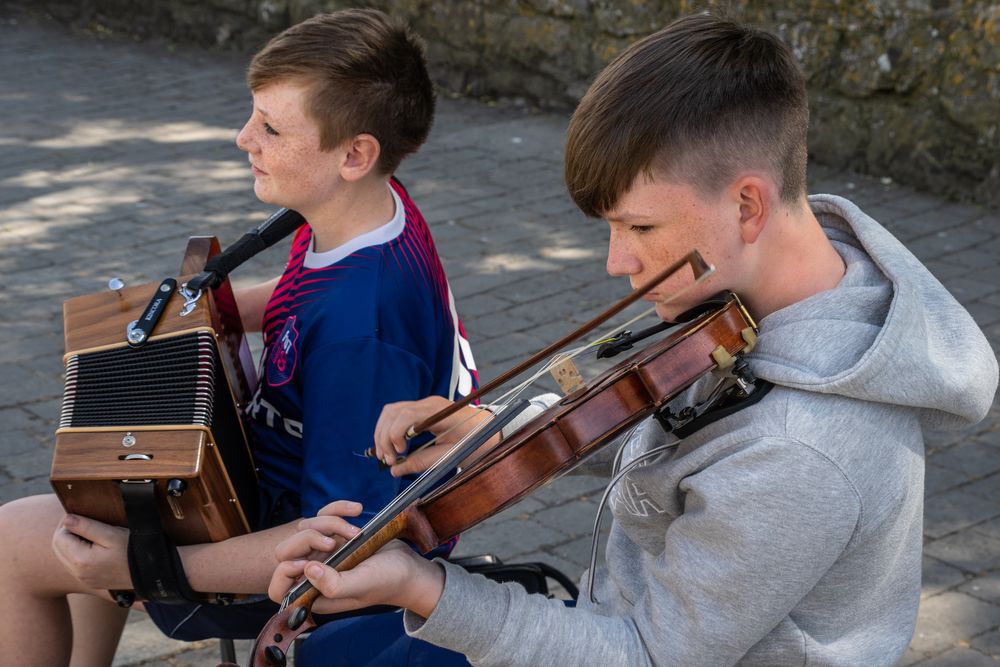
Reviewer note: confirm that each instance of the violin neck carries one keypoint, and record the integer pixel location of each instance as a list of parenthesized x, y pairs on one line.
[(410, 524)]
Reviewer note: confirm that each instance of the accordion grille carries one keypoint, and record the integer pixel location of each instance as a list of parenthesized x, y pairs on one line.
[(171, 381)]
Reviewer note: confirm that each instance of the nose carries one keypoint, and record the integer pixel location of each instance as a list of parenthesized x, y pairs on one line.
[(622, 260), (244, 140)]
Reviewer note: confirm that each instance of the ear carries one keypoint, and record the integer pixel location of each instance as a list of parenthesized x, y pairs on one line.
[(362, 153), (753, 194)]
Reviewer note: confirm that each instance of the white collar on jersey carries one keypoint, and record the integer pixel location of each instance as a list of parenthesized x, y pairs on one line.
[(377, 236)]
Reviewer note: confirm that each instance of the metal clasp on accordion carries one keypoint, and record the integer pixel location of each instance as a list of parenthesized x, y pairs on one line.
[(190, 299)]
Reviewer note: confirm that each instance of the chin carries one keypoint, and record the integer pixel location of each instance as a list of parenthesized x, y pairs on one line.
[(263, 195), (668, 313), (672, 312)]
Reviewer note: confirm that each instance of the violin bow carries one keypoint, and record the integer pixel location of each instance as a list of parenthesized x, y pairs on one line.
[(699, 266)]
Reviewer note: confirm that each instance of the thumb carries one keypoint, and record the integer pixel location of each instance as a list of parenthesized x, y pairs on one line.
[(93, 531), (324, 578)]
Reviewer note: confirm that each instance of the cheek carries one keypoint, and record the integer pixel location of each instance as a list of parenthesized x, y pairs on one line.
[(293, 166), (658, 250), (313, 166)]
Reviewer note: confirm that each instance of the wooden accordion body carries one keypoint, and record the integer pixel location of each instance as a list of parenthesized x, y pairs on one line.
[(167, 412)]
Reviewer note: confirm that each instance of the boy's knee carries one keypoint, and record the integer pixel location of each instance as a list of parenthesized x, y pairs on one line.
[(26, 521)]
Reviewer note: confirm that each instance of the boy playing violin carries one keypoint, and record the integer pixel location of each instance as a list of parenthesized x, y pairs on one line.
[(787, 532)]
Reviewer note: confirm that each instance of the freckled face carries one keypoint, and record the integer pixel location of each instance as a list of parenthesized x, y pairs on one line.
[(282, 143), (656, 223)]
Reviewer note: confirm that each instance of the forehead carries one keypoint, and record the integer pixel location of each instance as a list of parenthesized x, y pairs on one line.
[(652, 196), (284, 101)]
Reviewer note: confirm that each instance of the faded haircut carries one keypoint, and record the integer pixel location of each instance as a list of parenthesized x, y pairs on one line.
[(366, 73), (696, 102)]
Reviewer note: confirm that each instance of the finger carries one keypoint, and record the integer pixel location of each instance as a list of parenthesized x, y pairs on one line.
[(395, 442), (324, 578), (367, 584), (419, 461), (334, 597), (341, 508), (398, 435), (378, 437), (389, 436), (393, 438), (65, 544), (344, 590), (284, 577), (93, 531), (331, 526), (417, 412), (459, 423), (71, 550), (304, 543), (385, 452)]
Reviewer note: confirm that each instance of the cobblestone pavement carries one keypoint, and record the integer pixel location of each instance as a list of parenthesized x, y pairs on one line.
[(113, 153)]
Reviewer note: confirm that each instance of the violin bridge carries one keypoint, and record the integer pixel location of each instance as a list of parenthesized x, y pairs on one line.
[(567, 375)]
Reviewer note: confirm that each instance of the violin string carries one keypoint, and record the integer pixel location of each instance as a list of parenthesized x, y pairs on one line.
[(609, 336), (508, 397), (513, 394), (394, 506), (577, 351)]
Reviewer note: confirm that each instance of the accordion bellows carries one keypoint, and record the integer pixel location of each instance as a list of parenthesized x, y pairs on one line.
[(168, 381)]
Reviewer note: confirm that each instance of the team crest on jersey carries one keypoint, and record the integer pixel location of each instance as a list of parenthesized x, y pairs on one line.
[(284, 355)]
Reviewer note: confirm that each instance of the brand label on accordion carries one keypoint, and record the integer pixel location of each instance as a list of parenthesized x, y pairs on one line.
[(284, 355)]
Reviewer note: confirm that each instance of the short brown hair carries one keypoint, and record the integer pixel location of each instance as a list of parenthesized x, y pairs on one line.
[(367, 74), (694, 102)]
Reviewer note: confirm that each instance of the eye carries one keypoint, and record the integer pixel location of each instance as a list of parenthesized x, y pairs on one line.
[(640, 229), (270, 130)]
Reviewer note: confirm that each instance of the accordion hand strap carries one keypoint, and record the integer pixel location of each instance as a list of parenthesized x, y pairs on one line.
[(153, 562)]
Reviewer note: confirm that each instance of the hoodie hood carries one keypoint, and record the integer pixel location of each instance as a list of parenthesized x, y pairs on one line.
[(890, 331)]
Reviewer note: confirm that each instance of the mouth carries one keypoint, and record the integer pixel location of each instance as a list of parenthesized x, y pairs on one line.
[(256, 171), (651, 295)]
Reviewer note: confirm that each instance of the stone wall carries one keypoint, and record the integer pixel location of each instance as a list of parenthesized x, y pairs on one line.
[(908, 89)]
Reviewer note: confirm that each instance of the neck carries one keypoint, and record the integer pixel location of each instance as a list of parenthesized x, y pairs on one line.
[(808, 264), (355, 209)]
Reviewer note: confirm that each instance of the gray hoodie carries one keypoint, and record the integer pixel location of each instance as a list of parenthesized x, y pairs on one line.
[(788, 533)]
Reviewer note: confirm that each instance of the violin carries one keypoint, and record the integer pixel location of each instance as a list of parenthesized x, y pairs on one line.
[(546, 446)]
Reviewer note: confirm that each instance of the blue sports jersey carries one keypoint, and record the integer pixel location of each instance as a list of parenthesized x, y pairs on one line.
[(345, 332)]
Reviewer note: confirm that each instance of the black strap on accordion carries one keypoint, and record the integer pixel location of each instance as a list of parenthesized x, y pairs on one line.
[(272, 230), (282, 222), (153, 562)]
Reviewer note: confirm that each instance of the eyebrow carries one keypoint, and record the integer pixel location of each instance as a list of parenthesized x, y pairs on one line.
[(627, 215)]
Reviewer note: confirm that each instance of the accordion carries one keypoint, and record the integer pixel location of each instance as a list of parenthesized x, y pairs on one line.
[(165, 414)]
